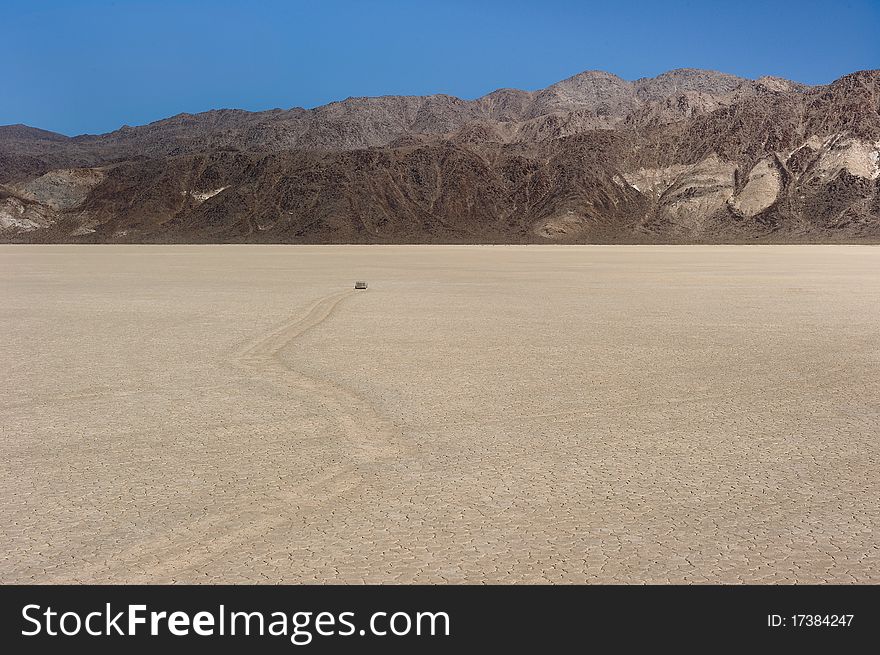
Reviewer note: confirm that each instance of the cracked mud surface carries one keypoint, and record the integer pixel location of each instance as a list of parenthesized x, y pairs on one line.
[(483, 414)]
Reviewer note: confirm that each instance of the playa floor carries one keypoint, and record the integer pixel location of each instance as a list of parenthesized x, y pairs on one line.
[(479, 414)]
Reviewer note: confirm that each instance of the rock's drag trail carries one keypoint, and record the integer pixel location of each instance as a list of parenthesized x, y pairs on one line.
[(364, 436), (368, 435)]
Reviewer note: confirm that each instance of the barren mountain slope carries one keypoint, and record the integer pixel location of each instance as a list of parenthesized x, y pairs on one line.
[(688, 156)]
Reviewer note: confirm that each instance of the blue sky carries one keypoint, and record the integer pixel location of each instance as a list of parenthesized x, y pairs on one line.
[(92, 66)]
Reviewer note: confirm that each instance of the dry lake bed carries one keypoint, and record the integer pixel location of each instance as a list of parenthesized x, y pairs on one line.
[(479, 414)]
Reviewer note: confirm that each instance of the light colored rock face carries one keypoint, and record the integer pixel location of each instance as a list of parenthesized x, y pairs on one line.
[(839, 152), (701, 189), (19, 216), (202, 196), (760, 191), (61, 189), (39, 202), (688, 193), (859, 158), (654, 181)]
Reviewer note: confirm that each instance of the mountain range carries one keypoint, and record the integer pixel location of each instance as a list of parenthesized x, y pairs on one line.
[(690, 156)]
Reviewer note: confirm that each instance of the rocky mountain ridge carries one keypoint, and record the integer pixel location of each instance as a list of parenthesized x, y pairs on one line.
[(688, 156)]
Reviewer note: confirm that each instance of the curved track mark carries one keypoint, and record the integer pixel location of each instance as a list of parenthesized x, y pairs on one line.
[(367, 436)]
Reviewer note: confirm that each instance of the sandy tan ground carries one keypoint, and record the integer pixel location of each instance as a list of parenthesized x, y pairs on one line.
[(482, 414)]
